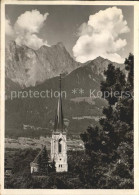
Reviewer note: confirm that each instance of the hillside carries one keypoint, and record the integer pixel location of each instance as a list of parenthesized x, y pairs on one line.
[(78, 80)]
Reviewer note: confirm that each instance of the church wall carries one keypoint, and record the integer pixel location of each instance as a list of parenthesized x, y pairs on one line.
[(58, 142)]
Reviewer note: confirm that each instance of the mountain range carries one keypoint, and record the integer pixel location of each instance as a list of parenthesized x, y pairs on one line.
[(38, 70), (28, 67)]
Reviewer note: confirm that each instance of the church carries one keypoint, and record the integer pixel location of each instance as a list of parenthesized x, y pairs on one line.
[(58, 141)]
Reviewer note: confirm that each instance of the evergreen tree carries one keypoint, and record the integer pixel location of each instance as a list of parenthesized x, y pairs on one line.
[(114, 83), (43, 162), (53, 166), (110, 146)]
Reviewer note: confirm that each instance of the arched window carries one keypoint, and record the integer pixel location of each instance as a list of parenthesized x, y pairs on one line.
[(60, 145)]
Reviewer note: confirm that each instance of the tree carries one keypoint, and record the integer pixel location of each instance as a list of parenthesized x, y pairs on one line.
[(43, 162), (115, 80), (110, 146), (53, 166)]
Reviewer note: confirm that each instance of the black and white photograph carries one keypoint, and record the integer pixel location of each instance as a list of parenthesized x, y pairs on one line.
[(69, 96)]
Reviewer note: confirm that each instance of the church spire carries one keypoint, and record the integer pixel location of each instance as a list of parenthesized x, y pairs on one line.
[(59, 116), (55, 122)]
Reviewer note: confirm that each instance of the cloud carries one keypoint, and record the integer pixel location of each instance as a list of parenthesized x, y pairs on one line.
[(100, 36), (30, 40), (8, 28), (30, 21), (27, 27)]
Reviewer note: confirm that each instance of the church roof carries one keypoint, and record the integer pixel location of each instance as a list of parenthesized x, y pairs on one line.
[(35, 161)]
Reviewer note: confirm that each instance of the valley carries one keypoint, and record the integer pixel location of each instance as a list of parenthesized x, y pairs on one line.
[(26, 143)]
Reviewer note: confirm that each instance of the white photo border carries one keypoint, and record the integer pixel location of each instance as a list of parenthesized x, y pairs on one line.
[(134, 191)]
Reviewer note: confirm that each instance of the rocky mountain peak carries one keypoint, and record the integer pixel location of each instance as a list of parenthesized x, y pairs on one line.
[(100, 59), (29, 67), (60, 44)]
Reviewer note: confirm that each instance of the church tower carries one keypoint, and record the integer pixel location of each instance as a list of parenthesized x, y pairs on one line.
[(58, 141)]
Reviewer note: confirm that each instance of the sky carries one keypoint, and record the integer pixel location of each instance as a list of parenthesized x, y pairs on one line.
[(87, 31)]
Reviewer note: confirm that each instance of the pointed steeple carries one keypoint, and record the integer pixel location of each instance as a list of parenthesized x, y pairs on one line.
[(55, 123), (59, 116)]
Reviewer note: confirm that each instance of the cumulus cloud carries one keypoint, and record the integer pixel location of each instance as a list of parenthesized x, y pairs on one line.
[(30, 40), (27, 27), (30, 21), (100, 36)]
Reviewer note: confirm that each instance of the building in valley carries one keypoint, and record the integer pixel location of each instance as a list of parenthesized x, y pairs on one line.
[(59, 139), (58, 142)]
